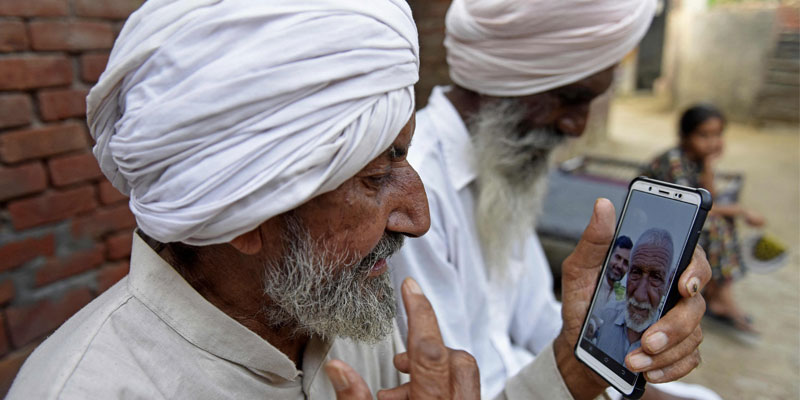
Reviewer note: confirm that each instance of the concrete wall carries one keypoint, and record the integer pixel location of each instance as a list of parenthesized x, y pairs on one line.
[(719, 55)]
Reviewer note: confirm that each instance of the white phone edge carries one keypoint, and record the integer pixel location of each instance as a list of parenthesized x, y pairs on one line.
[(646, 187)]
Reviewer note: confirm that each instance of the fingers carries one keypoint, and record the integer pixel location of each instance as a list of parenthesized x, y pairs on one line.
[(399, 393), (696, 275), (346, 381), (596, 238), (465, 374), (428, 357), (401, 362), (675, 326), (639, 361)]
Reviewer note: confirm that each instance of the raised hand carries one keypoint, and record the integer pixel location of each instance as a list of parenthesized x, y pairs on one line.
[(437, 372)]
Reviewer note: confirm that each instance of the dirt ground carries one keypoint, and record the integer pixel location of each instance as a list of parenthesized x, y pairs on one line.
[(639, 129)]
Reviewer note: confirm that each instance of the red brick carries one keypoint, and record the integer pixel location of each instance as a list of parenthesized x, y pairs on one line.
[(13, 36), (104, 221), (14, 254), (42, 142), (51, 207), (92, 66), (58, 35), (62, 103), (109, 194), (15, 110), (788, 17), (64, 267), (118, 246), (113, 9), (34, 8), (10, 365), (33, 321), (74, 168), (24, 179), (110, 275), (7, 291), (31, 72)]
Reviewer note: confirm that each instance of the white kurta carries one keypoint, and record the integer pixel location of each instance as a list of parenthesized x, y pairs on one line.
[(504, 324), (152, 336)]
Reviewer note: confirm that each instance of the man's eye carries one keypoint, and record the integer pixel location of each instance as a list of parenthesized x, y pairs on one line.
[(378, 180)]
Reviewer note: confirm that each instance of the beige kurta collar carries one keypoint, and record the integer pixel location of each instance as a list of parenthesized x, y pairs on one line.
[(156, 284)]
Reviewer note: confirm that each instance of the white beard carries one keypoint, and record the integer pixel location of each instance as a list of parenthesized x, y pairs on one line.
[(511, 184), (318, 294), (633, 322)]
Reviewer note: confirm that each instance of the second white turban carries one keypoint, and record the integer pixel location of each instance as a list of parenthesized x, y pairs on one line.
[(518, 48)]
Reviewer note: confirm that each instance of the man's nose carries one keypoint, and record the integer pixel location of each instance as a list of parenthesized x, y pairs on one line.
[(410, 215), (640, 292)]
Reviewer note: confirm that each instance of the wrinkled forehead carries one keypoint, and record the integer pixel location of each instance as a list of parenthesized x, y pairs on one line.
[(651, 257)]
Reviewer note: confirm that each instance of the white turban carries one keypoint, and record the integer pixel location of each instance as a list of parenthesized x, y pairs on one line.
[(216, 115), (517, 48)]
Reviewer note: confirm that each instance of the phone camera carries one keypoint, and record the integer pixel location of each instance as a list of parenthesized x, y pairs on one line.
[(680, 195), (650, 188)]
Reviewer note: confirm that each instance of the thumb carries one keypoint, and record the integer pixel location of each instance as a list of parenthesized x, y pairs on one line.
[(596, 238), (347, 383)]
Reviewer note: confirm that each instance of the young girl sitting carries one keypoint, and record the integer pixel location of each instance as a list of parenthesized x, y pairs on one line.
[(692, 164)]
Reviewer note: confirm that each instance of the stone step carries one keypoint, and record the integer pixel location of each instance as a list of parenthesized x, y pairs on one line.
[(778, 106), (779, 114), (782, 78), (778, 90), (783, 65)]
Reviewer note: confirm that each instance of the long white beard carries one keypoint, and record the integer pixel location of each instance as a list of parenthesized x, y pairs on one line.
[(329, 296), (511, 184), (633, 322)]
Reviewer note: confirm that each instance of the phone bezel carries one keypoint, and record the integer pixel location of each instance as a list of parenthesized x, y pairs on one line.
[(669, 192)]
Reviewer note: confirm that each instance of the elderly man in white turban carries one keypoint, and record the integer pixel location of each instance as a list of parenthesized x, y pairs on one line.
[(263, 147), (525, 73)]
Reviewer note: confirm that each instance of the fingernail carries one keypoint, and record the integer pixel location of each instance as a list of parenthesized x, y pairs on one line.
[(693, 286), (640, 361), (338, 379), (656, 342), (654, 375), (413, 286)]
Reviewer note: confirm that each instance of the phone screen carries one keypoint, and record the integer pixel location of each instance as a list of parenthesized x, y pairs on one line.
[(637, 276)]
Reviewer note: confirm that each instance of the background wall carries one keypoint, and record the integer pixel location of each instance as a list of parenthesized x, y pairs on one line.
[(429, 15), (65, 232), (741, 57)]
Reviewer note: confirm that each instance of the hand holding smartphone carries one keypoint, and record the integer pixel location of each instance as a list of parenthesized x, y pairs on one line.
[(653, 243)]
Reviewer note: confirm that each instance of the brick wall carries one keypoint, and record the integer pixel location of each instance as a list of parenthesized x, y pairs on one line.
[(429, 15), (65, 232)]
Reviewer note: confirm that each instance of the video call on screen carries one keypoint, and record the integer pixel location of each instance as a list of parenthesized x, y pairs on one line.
[(635, 289)]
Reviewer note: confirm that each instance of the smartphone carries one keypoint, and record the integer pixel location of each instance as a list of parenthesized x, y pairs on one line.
[(654, 241)]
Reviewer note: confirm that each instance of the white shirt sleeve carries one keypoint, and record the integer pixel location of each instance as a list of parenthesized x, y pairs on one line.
[(537, 314), (538, 380)]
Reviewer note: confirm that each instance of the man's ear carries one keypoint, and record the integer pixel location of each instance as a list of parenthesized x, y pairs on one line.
[(248, 243)]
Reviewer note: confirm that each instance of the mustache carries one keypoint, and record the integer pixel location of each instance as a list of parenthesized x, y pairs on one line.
[(640, 304), (389, 244)]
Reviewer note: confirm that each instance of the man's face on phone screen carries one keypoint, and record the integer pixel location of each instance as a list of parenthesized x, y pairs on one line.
[(618, 265), (647, 284)]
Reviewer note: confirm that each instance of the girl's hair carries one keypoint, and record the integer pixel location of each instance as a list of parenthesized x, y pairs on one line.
[(696, 115)]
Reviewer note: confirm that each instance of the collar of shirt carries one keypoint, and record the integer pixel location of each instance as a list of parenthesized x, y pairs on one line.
[(156, 284), (455, 139)]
